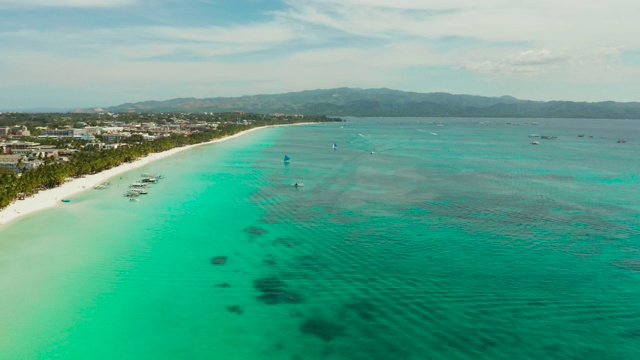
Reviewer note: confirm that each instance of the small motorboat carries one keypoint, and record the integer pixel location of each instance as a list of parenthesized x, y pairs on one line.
[(66, 200), (297, 184), (535, 143)]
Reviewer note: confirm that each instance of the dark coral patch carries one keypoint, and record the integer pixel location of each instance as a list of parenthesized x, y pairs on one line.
[(268, 284), (255, 231), (281, 297), (323, 329), (275, 291), (219, 260), (629, 264), (289, 242), (235, 309)]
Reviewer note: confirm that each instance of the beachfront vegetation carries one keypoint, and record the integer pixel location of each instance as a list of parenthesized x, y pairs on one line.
[(86, 159)]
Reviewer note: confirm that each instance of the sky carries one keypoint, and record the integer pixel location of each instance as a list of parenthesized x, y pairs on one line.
[(98, 53)]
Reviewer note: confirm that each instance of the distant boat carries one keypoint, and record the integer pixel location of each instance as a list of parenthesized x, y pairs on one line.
[(535, 143), (621, 141), (286, 159), (335, 146), (66, 200), (297, 184)]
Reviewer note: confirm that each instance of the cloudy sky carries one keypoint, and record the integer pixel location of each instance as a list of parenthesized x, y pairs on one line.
[(85, 53)]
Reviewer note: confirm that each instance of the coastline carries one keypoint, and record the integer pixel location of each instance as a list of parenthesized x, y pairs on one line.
[(51, 197)]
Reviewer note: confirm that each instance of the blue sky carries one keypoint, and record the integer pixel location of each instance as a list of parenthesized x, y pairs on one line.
[(89, 53)]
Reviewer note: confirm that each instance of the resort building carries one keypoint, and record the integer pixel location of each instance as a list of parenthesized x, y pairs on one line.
[(93, 130), (67, 133), (115, 137), (19, 130), (11, 162), (13, 146)]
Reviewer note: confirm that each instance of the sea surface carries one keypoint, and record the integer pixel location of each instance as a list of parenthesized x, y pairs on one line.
[(416, 238)]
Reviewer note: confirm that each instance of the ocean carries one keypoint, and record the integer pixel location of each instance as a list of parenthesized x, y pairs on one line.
[(416, 238)]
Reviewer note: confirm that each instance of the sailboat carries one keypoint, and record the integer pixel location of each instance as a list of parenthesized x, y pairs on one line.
[(335, 146), (286, 159)]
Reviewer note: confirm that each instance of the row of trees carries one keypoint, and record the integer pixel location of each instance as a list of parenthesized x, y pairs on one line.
[(91, 160)]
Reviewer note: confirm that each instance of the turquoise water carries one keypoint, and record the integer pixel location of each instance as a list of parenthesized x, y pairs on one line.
[(455, 239)]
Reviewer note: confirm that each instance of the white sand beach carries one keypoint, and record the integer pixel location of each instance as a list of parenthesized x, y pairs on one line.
[(49, 198)]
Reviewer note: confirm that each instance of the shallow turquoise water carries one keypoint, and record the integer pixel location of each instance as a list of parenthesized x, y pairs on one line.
[(455, 239)]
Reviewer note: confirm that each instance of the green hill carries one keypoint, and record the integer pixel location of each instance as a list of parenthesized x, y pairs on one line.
[(387, 102)]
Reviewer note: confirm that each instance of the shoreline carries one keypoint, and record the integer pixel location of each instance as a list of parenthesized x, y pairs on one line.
[(51, 197)]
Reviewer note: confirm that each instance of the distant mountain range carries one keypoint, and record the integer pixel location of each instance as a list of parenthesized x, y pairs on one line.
[(387, 102)]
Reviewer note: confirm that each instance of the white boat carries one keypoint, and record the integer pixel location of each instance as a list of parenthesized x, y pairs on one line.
[(535, 143), (138, 186), (297, 184)]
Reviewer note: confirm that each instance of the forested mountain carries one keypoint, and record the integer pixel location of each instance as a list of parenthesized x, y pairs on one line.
[(386, 102)]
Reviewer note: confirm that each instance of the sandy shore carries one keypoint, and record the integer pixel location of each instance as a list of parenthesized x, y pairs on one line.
[(49, 198)]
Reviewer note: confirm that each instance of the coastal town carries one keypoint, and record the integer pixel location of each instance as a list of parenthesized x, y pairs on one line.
[(25, 147), (43, 151)]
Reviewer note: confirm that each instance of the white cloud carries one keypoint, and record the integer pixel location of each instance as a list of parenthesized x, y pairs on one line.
[(67, 3), (248, 33), (150, 41), (534, 62), (546, 23)]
